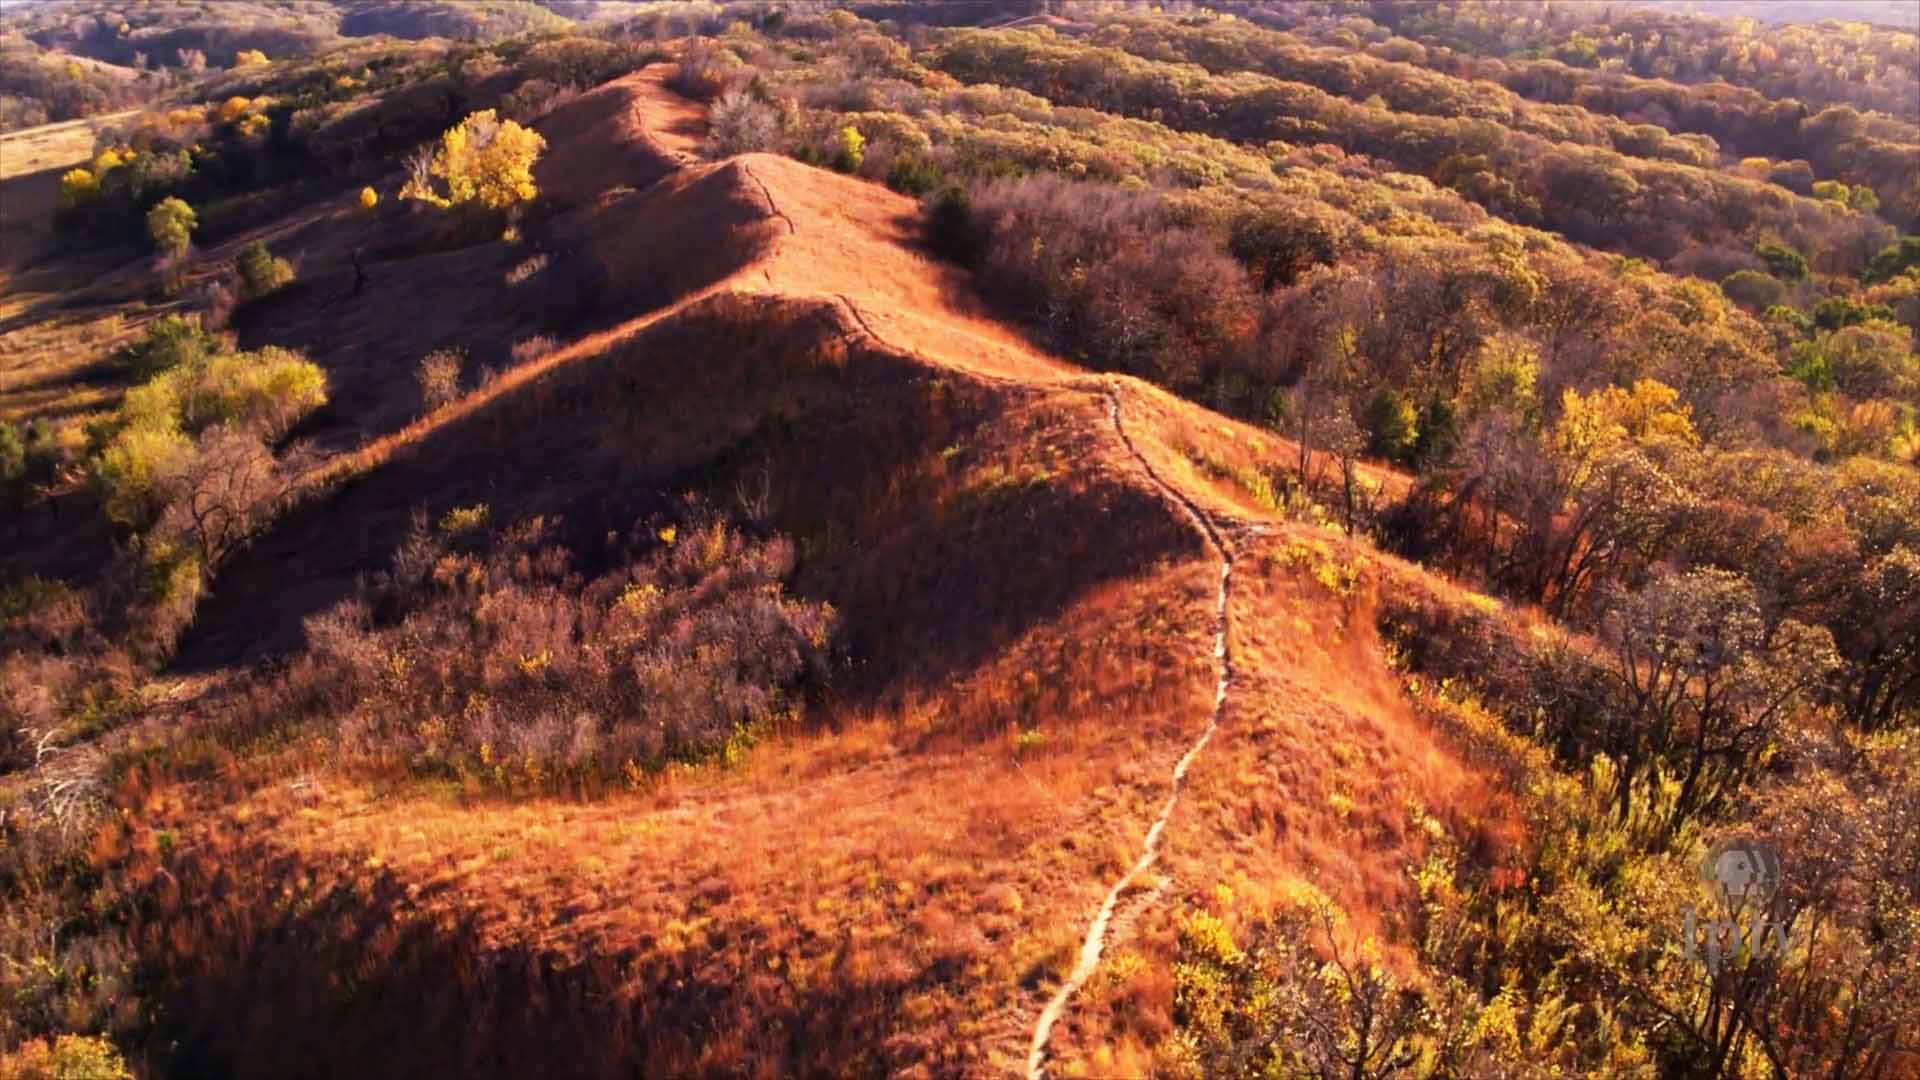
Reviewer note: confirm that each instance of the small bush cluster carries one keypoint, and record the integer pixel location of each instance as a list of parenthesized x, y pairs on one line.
[(261, 272), (66, 1057), (486, 652), (184, 468), (740, 123), (1110, 278), (30, 458), (439, 378)]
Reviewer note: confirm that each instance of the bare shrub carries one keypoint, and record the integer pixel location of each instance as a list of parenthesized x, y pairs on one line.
[(218, 298), (527, 267), (705, 68), (439, 378), (535, 98), (741, 123), (492, 652), (530, 349), (1109, 277)]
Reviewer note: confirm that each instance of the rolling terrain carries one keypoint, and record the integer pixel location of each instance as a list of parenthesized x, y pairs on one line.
[(744, 541), (1034, 575)]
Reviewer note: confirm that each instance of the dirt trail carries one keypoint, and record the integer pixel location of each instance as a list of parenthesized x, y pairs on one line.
[(1096, 939), (851, 244)]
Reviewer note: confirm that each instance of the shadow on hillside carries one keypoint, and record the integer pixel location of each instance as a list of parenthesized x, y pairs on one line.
[(262, 970), (933, 573)]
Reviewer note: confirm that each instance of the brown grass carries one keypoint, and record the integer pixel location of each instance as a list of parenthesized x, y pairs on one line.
[(896, 883)]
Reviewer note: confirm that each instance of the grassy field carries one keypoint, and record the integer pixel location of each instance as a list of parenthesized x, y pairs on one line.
[(44, 356)]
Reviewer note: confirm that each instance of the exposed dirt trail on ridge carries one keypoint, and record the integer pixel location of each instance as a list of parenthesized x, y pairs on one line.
[(1096, 939)]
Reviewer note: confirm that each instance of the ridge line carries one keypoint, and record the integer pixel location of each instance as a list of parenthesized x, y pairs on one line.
[(1095, 942)]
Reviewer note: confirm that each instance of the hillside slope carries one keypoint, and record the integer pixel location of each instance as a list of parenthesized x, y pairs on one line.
[(1032, 567)]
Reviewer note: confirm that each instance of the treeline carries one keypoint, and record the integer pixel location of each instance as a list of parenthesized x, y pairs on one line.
[(40, 87), (1656, 119), (1576, 422), (1829, 63), (197, 34), (1656, 210)]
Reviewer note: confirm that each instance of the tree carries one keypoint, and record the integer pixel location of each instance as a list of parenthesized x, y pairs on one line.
[(1782, 261), (484, 160), (1880, 642), (230, 488), (1753, 290), (170, 226), (1704, 681), (249, 58), (369, 198), (851, 151), (1893, 260), (1392, 425)]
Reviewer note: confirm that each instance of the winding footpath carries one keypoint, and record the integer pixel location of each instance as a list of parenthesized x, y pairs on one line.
[(1096, 939)]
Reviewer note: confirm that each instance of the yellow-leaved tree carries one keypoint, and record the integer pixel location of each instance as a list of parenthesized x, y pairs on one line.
[(484, 160)]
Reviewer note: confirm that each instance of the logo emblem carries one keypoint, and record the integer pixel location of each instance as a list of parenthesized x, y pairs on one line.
[(1742, 873)]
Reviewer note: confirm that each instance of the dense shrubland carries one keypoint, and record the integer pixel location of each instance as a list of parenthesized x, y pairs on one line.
[(486, 652), (1600, 197)]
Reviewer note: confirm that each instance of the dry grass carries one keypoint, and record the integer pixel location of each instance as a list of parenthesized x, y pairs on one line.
[(884, 919), (1322, 773), (895, 883)]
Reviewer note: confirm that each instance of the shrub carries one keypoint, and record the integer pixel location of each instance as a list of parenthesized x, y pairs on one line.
[(1753, 290), (704, 69), (532, 348), (13, 465), (249, 58), (951, 229), (439, 378), (527, 268), (77, 188), (369, 198), (913, 175), (492, 655), (170, 226), (741, 123), (260, 271), (850, 151), (1893, 260), (1783, 262), (137, 474), (29, 459), (265, 392)]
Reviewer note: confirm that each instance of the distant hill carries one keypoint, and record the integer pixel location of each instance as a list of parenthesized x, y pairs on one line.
[(1896, 13)]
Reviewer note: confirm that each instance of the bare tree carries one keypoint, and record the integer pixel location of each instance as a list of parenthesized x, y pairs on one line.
[(1703, 683), (231, 489)]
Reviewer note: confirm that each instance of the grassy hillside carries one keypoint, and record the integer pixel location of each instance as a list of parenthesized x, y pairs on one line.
[(964, 541)]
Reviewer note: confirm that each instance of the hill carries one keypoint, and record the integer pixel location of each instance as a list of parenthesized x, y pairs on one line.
[(801, 557)]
